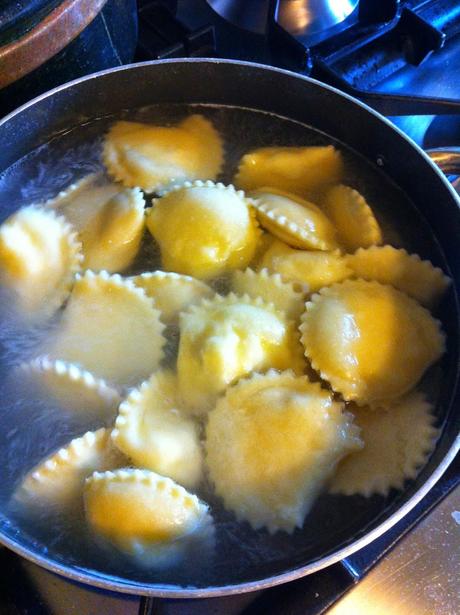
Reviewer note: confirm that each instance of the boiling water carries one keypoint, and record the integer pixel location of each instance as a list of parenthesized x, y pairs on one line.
[(32, 428)]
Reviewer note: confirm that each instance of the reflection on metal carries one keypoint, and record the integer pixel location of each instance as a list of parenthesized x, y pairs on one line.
[(308, 17), (247, 14), (447, 159), (58, 596), (420, 575)]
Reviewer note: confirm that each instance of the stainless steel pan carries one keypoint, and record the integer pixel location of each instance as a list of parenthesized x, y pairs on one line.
[(337, 526)]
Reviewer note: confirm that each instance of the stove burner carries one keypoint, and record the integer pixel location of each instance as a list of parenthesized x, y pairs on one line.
[(313, 20), (246, 14), (355, 45)]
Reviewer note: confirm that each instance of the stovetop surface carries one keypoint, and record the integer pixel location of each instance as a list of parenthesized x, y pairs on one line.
[(379, 64), (426, 581)]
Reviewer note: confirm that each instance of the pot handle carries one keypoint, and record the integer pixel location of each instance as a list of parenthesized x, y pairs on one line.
[(447, 159)]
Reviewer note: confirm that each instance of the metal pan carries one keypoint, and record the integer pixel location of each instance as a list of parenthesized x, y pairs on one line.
[(338, 526)]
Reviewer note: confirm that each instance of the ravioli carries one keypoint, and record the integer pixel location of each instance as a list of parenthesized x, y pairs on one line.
[(110, 328), (204, 229), (309, 270), (226, 338), (271, 444), (266, 240), (112, 238), (57, 482), (71, 388), (300, 170), (397, 441), (79, 201), (297, 222), (371, 342), (270, 288), (153, 432), (108, 218), (155, 157), (172, 292), (39, 256), (148, 517), (354, 220), (406, 272)]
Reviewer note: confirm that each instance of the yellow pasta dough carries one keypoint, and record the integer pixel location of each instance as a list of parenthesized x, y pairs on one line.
[(111, 328), (266, 240), (154, 157), (148, 517), (226, 338), (71, 387), (39, 256), (397, 441), (307, 269), (406, 272), (152, 431), (172, 292), (57, 483), (271, 444), (78, 202), (295, 221), (300, 170), (204, 229), (108, 218), (270, 288), (353, 218), (111, 239), (370, 341)]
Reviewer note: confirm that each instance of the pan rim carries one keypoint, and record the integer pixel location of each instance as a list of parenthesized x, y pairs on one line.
[(117, 584), (96, 579), (264, 67)]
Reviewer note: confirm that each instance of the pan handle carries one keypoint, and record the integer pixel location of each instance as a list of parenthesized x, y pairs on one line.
[(447, 159)]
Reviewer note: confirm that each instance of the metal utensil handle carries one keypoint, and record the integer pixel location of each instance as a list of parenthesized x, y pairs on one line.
[(447, 159)]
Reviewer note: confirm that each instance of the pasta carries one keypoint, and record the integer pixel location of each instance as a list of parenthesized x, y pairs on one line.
[(226, 338), (39, 256), (406, 272), (271, 444), (263, 348), (156, 157), (309, 270), (57, 482), (270, 288), (297, 222), (300, 170), (172, 292), (397, 441), (113, 348), (108, 218), (354, 220), (112, 237), (266, 240), (146, 516), (371, 342), (79, 199), (71, 387), (152, 431), (204, 229)]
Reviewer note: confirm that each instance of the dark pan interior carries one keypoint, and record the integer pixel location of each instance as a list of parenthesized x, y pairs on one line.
[(414, 204)]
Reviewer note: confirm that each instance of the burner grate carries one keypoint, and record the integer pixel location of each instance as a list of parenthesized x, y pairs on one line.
[(376, 42)]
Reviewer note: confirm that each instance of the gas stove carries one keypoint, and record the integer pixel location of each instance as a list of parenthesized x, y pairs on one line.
[(402, 58)]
